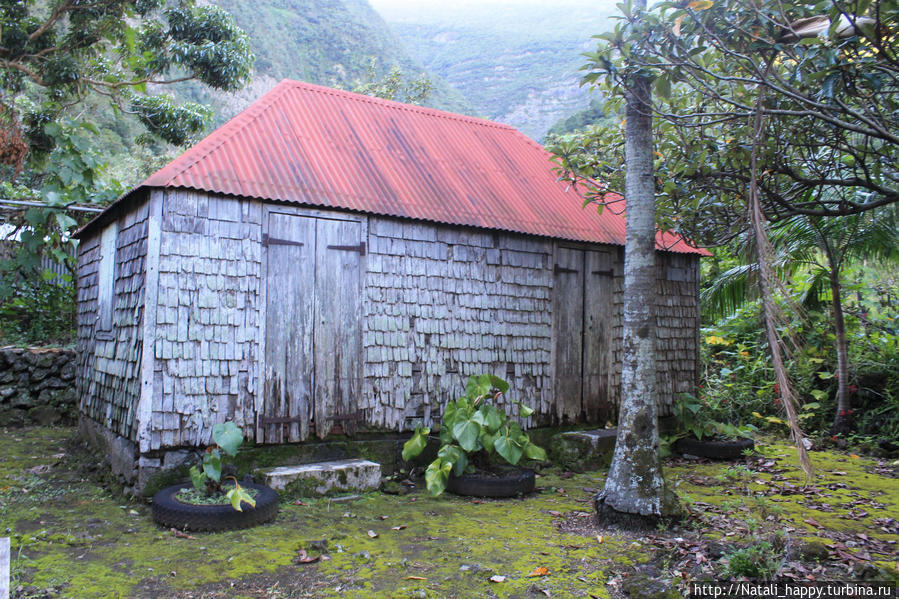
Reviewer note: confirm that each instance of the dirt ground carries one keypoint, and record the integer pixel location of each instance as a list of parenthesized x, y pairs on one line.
[(73, 537)]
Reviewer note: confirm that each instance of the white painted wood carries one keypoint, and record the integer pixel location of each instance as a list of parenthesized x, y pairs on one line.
[(151, 292), (4, 567)]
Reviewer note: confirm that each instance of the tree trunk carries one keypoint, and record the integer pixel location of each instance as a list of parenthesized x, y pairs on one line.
[(635, 492), (843, 421)]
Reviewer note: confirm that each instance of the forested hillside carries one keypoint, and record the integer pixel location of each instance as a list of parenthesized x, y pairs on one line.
[(517, 63)]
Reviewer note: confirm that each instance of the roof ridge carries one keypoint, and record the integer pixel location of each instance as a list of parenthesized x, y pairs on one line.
[(426, 110)]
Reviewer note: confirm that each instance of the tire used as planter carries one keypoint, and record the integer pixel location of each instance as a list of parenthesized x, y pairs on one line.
[(515, 481), (714, 449), (172, 513)]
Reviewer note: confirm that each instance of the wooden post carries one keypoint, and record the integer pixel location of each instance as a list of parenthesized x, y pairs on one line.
[(4, 567)]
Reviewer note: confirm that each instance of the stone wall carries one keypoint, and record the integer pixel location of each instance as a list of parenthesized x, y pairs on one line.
[(37, 386)]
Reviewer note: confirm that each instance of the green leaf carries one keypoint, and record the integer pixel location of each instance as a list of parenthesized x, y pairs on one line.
[(466, 433), (495, 419), (414, 446), (198, 478), (460, 464), (534, 452), (498, 383), (64, 221), (487, 440), (212, 465), (436, 476), (509, 449), (237, 495), (524, 411), (663, 87), (228, 436), (819, 394)]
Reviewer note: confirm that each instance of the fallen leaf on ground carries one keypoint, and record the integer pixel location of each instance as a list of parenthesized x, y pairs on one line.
[(416, 578), (497, 578), (813, 522), (400, 527), (540, 571), (181, 535), (373, 534), (383, 517), (303, 558)]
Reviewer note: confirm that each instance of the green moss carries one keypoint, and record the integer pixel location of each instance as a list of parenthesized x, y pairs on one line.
[(71, 535)]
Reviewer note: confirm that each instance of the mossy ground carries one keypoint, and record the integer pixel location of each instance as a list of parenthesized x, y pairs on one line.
[(72, 538)]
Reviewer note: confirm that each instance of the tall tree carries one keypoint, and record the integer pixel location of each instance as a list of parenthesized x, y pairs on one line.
[(59, 61), (635, 488)]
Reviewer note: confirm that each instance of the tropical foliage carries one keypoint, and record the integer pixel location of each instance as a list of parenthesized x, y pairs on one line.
[(474, 431), (207, 477)]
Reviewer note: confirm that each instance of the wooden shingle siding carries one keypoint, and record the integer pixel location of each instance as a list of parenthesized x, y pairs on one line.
[(207, 317), (444, 303), (400, 314), (109, 358)]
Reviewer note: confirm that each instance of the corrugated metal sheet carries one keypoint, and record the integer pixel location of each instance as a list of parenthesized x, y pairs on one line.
[(319, 146)]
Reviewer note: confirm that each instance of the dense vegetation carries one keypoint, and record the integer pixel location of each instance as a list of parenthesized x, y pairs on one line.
[(128, 85)]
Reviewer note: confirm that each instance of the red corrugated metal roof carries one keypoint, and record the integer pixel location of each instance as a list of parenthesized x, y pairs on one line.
[(319, 146)]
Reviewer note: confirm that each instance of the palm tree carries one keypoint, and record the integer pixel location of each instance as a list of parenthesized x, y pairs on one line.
[(825, 246)]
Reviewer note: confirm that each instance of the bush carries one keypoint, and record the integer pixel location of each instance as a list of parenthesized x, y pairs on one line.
[(756, 562), (38, 310)]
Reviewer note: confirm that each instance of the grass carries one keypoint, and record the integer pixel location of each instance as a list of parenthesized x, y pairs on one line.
[(72, 537)]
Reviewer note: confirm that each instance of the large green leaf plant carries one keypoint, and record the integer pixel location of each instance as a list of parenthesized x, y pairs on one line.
[(474, 431), (207, 477)]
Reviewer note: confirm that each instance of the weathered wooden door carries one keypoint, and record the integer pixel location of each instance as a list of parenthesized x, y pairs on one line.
[(313, 335), (338, 325), (289, 246), (568, 330), (598, 330), (582, 328)]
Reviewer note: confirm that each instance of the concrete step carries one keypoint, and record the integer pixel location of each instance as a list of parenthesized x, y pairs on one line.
[(580, 451), (324, 478)]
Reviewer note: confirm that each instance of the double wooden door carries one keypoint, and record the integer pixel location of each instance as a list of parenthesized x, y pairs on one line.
[(582, 329), (313, 331)]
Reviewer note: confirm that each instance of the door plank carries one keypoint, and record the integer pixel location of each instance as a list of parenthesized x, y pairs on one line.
[(288, 327), (568, 322), (338, 325), (598, 332)]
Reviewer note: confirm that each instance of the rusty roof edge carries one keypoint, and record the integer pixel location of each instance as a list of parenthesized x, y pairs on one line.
[(688, 249)]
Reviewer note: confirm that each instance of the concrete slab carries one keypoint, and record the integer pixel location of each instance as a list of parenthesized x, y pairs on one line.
[(580, 451), (324, 478)]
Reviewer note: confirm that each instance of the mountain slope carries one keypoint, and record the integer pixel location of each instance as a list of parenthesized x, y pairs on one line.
[(516, 63), (328, 42)]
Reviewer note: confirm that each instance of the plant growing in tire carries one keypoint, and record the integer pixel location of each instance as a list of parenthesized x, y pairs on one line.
[(479, 445), (703, 436), (212, 501)]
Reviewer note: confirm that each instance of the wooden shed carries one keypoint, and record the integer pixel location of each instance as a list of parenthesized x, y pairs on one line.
[(330, 263)]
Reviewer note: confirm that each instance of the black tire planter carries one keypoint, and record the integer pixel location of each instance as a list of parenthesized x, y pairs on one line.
[(714, 449), (512, 482), (171, 513)]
